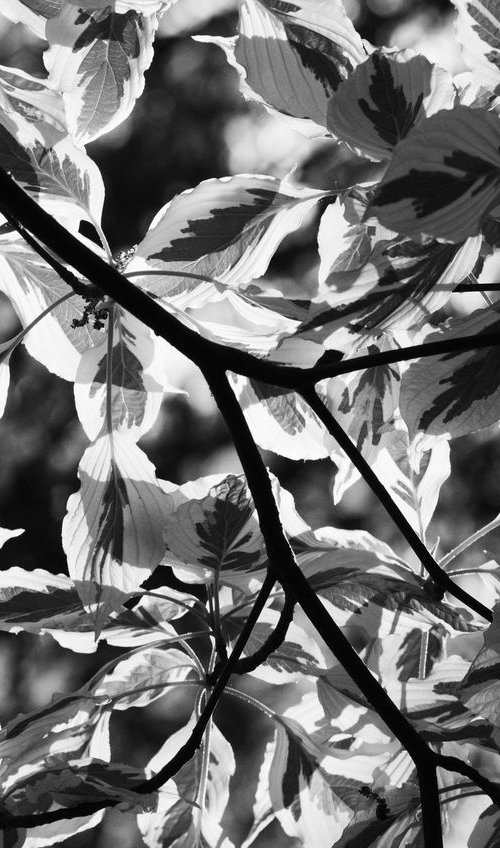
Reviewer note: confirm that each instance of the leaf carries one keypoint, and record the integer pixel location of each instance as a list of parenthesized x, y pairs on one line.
[(281, 421), (227, 229), (384, 97), (292, 56), (112, 532), (480, 688), (119, 384), (142, 677), (33, 287), (218, 536), (364, 404), (486, 832), (182, 818), (454, 393), (478, 31), (413, 477), (39, 602), (67, 783), (97, 58), (444, 177), (50, 167), (32, 13), (33, 98), (373, 280), (310, 804)]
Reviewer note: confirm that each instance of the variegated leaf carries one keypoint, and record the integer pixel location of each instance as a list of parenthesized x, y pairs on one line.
[(384, 97), (478, 30), (454, 393), (310, 804), (51, 167), (33, 98), (372, 280), (141, 677), (226, 229), (33, 287), (119, 384), (97, 58), (181, 818), (480, 688), (32, 13), (291, 56), (67, 782), (281, 421), (112, 532), (444, 177), (217, 536), (40, 602), (414, 485)]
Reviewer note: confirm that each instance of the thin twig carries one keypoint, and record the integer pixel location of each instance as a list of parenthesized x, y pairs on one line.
[(439, 577)]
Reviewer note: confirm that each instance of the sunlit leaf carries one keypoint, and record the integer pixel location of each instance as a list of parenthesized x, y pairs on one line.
[(97, 58), (112, 533), (226, 229), (292, 56), (281, 421), (142, 677), (33, 13), (217, 536), (373, 280), (5, 535), (182, 817), (384, 97), (478, 31), (119, 384), (458, 392), (32, 97), (444, 177)]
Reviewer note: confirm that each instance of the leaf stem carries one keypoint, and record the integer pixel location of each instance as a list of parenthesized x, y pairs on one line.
[(467, 543)]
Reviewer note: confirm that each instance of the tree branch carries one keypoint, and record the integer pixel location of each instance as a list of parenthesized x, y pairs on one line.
[(438, 575), (24, 212)]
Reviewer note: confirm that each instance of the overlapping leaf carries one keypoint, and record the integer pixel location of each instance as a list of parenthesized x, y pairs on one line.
[(226, 229), (281, 421), (454, 393), (119, 384), (97, 58), (310, 804), (40, 602), (478, 30), (49, 165), (112, 533), (217, 536), (32, 98), (372, 279), (188, 812), (291, 56), (34, 287), (384, 97), (444, 177)]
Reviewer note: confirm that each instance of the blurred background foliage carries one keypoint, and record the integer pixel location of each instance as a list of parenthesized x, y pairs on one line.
[(189, 125)]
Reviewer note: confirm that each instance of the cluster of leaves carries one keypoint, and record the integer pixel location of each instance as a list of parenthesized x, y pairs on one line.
[(353, 761)]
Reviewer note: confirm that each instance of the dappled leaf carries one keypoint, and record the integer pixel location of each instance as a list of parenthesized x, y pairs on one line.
[(384, 97), (119, 384), (97, 57), (227, 229), (112, 532), (444, 177), (458, 392)]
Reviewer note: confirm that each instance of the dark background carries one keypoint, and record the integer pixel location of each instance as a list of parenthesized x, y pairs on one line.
[(191, 124)]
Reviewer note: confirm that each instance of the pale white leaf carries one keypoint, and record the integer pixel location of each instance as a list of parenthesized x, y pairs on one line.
[(5, 535), (478, 31)]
